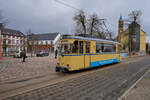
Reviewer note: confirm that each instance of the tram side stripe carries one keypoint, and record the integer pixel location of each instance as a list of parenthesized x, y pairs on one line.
[(103, 62)]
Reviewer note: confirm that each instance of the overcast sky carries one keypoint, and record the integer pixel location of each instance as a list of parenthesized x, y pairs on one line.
[(42, 16)]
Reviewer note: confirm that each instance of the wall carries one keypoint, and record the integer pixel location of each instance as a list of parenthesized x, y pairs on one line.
[(55, 42), (142, 40), (124, 41)]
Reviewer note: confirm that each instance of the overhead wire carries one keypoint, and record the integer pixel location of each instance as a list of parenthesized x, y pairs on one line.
[(75, 8)]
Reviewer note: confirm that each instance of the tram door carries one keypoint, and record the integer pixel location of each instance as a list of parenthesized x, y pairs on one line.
[(87, 56)]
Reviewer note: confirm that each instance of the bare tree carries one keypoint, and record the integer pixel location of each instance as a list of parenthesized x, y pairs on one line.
[(101, 34), (94, 24), (81, 21), (134, 16), (30, 44), (110, 34)]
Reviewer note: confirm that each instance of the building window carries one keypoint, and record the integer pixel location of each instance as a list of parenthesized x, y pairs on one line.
[(44, 50), (39, 50), (34, 50), (9, 41), (17, 42), (4, 41), (41, 42), (13, 41), (30, 43), (48, 49), (35, 42), (4, 36), (52, 49), (46, 42), (4, 49)]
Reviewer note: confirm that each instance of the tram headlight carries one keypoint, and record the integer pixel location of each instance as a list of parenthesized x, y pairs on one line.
[(67, 65)]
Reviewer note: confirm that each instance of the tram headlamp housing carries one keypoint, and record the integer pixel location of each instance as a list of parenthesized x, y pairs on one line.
[(57, 63), (67, 65)]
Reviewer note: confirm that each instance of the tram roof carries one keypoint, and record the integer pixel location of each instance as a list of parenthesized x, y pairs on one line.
[(92, 39)]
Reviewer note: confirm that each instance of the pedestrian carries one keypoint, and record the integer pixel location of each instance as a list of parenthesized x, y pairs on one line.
[(56, 54), (23, 56)]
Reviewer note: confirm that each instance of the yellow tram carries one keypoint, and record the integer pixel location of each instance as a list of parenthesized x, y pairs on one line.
[(76, 53)]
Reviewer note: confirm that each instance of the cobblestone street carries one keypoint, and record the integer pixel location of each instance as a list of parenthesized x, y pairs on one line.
[(14, 69), (106, 83)]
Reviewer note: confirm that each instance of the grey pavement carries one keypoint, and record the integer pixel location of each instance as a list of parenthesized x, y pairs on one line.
[(141, 90)]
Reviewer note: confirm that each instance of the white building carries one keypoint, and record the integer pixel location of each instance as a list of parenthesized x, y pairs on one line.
[(46, 42), (12, 41)]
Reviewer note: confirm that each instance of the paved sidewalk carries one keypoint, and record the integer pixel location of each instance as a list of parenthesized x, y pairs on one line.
[(12, 69), (141, 90)]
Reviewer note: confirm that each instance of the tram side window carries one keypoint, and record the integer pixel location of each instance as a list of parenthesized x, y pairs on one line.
[(87, 47), (81, 46), (109, 48), (63, 49), (75, 47), (99, 47), (66, 49), (114, 48)]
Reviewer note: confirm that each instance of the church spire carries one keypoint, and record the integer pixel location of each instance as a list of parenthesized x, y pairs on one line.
[(120, 18), (120, 25)]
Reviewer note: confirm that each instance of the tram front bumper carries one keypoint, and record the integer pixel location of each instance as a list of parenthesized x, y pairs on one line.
[(62, 69)]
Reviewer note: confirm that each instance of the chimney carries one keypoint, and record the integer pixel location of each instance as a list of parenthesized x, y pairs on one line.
[(1, 25)]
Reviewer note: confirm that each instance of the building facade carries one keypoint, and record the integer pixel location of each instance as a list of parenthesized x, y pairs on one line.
[(132, 39), (12, 41), (43, 43)]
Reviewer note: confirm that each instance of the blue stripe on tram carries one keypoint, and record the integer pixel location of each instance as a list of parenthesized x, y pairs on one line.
[(103, 62)]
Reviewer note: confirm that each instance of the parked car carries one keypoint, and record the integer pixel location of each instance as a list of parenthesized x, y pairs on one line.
[(42, 54)]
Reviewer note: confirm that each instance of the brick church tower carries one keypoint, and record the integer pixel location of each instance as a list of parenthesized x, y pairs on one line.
[(120, 26)]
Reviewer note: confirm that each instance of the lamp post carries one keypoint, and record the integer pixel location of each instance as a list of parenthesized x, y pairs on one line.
[(0, 45)]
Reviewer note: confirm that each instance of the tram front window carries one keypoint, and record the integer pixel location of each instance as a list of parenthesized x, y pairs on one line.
[(66, 49), (76, 47)]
